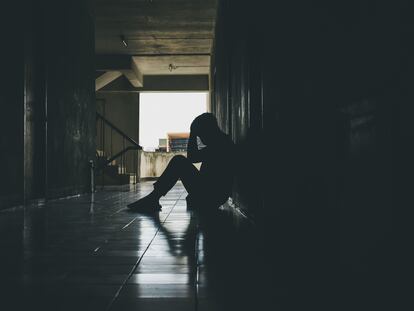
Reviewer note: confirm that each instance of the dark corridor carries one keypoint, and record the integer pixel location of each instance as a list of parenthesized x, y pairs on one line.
[(317, 97)]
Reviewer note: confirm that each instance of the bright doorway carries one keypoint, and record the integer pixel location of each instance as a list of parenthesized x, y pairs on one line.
[(163, 113)]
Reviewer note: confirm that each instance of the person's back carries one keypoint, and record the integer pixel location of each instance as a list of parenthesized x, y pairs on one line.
[(217, 168), (217, 158)]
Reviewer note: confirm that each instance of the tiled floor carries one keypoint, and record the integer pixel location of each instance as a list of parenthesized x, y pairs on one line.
[(91, 253)]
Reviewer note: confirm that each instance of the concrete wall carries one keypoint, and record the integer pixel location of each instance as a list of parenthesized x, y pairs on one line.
[(47, 99), (313, 95), (152, 164), (122, 109)]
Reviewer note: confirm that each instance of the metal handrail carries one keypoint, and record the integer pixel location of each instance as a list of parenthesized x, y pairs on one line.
[(135, 145), (116, 129)]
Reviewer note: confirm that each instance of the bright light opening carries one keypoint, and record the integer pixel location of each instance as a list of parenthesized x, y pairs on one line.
[(162, 113)]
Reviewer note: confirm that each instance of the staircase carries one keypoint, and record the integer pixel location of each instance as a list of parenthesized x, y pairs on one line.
[(112, 174), (115, 167)]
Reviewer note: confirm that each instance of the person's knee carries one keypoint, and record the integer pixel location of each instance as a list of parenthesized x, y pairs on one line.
[(179, 159)]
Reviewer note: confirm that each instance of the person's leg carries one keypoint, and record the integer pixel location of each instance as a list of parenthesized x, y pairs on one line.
[(178, 168)]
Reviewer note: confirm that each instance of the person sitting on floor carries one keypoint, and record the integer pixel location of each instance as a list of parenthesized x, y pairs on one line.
[(211, 185)]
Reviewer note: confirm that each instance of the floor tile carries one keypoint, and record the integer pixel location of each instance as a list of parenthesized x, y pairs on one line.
[(90, 253)]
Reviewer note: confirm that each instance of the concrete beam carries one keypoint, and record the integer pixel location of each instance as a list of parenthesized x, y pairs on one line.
[(182, 83), (137, 72), (106, 78), (121, 63), (134, 75)]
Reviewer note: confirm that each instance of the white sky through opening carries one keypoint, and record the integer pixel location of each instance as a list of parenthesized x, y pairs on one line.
[(166, 112)]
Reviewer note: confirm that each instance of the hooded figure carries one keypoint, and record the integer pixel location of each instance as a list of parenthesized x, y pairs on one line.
[(211, 186)]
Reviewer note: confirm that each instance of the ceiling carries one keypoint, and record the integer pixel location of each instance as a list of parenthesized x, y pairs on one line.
[(158, 33), (195, 64)]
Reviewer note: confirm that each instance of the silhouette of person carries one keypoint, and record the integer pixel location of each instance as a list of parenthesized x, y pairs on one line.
[(209, 186)]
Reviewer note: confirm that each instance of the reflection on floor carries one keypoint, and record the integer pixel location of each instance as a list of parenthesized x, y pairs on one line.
[(91, 253)]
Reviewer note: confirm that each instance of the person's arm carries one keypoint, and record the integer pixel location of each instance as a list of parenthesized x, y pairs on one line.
[(194, 154)]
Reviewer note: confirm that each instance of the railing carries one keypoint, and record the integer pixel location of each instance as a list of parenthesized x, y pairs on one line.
[(117, 149)]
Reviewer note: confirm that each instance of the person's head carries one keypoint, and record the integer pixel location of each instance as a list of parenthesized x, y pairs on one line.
[(205, 126)]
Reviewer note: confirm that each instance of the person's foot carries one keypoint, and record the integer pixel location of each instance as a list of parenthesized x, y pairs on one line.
[(148, 204)]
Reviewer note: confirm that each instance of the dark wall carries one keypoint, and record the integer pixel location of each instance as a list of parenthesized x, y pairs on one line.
[(47, 97), (70, 97), (237, 79), (34, 102), (312, 94), (11, 103)]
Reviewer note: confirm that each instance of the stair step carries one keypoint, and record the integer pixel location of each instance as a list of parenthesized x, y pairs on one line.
[(112, 170), (120, 179)]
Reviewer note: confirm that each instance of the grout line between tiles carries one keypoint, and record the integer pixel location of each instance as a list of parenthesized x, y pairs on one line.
[(128, 224), (139, 260)]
